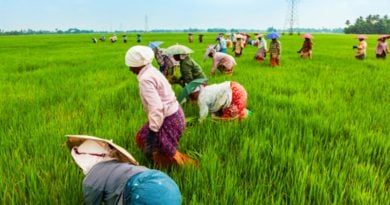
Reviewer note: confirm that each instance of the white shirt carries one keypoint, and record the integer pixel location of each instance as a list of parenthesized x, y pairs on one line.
[(214, 98)]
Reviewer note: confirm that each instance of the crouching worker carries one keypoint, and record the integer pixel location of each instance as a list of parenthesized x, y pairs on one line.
[(223, 62), (225, 101), (112, 176), (160, 136)]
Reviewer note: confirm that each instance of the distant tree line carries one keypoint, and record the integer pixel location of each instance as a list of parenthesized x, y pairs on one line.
[(190, 30), (372, 24), (57, 31)]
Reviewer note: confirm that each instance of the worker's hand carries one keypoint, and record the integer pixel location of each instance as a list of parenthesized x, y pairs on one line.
[(354, 47), (151, 138), (182, 82)]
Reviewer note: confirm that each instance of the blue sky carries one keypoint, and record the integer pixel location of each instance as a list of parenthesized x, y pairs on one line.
[(181, 14)]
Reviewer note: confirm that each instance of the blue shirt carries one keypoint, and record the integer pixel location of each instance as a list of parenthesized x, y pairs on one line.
[(106, 180)]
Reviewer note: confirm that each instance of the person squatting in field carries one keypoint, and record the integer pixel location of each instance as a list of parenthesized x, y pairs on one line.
[(225, 100), (160, 136), (167, 63), (221, 61), (111, 181), (113, 38), (189, 69)]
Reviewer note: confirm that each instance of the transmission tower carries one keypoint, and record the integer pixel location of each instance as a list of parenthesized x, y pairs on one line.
[(292, 15), (146, 23)]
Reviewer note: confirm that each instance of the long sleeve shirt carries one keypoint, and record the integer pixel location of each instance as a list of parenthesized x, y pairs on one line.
[(190, 70), (307, 46), (361, 48), (213, 98), (106, 180), (262, 44), (381, 47), (223, 43), (157, 96), (275, 48), (164, 60), (222, 59)]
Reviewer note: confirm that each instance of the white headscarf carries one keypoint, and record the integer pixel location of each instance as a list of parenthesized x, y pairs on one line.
[(138, 56)]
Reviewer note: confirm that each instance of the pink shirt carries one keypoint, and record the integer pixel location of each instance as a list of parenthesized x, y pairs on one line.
[(157, 96), (222, 59), (381, 47)]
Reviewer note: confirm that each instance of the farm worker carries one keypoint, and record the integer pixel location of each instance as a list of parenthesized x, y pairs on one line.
[(138, 38), (124, 38), (190, 38), (189, 69), (229, 42), (102, 38), (261, 47), (275, 49), (306, 50), (361, 48), (239, 45), (94, 40), (113, 38), (160, 136), (225, 100), (167, 63), (246, 39), (221, 61), (234, 41), (222, 44), (112, 180), (200, 38), (381, 48)]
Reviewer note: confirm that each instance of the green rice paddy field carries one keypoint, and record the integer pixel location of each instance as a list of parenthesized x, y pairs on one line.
[(319, 133)]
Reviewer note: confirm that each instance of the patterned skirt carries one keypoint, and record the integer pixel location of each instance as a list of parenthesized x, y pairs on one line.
[(274, 61), (167, 138), (238, 104), (306, 54), (260, 55)]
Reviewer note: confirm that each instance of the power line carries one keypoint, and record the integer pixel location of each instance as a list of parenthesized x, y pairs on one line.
[(292, 15)]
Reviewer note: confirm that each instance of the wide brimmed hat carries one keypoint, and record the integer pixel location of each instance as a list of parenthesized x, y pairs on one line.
[(361, 36), (190, 88), (273, 35), (259, 35), (239, 36), (178, 49), (308, 35), (155, 44), (86, 150), (383, 37), (209, 49)]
